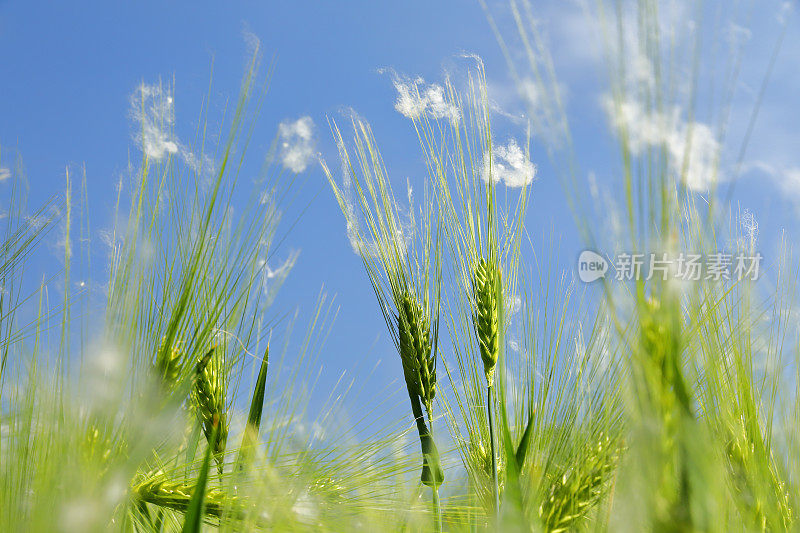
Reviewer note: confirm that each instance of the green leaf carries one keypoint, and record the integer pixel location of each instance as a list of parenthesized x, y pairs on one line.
[(194, 513), (512, 509), (254, 418), (524, 443), (257, 403)]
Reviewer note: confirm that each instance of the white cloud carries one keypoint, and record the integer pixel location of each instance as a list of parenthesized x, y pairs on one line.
[(531, 94), (283, 270), (786, 178), (641, 69), (701, 152), (366, 247), (738, 35), (4, 173), (296, 143), (357, 243), (784, 12), (415, 97), (508, 164), (512, 306), (790, 181), (691, 144), (274, 278), (528, 104), (409, 102), (153, 112), (203, 162)]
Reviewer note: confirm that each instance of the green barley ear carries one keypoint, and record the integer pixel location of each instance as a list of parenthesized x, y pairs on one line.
[(403, 261), (168, 363), (419, 370), (100, 447), (580, 487), (209, 400), (176, 495), (414, 334), (486, 284)]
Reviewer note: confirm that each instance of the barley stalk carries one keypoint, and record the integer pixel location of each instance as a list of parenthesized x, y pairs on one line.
[(486, 286), (766, 506), (666, 399), (406, 280), (419, 371)]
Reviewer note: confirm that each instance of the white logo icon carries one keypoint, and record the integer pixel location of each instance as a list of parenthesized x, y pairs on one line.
[(591, 266)]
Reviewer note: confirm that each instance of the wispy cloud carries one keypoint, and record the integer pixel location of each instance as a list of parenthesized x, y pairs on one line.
[(691, 146), (153, 112), (296, 143), (512, 305), (415, 97), (738, 35), (361, 245), (784, 12), (508, 164), (787, 179), (273, 278), (4, 174), (790, 181)]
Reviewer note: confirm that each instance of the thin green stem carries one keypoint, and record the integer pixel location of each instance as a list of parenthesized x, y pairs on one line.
[(437, 510), (431, 470), (489, 410)]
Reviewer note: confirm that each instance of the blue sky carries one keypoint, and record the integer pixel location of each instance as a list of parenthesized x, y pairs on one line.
[(67, 71)]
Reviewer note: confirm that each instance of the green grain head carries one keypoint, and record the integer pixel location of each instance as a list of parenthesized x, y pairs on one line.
[(486, 284), (580, 487), (414, 333), (168, 363), (209, 400), (176, 495)]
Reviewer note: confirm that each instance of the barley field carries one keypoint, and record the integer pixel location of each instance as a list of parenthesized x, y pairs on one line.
[(533, 293)]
